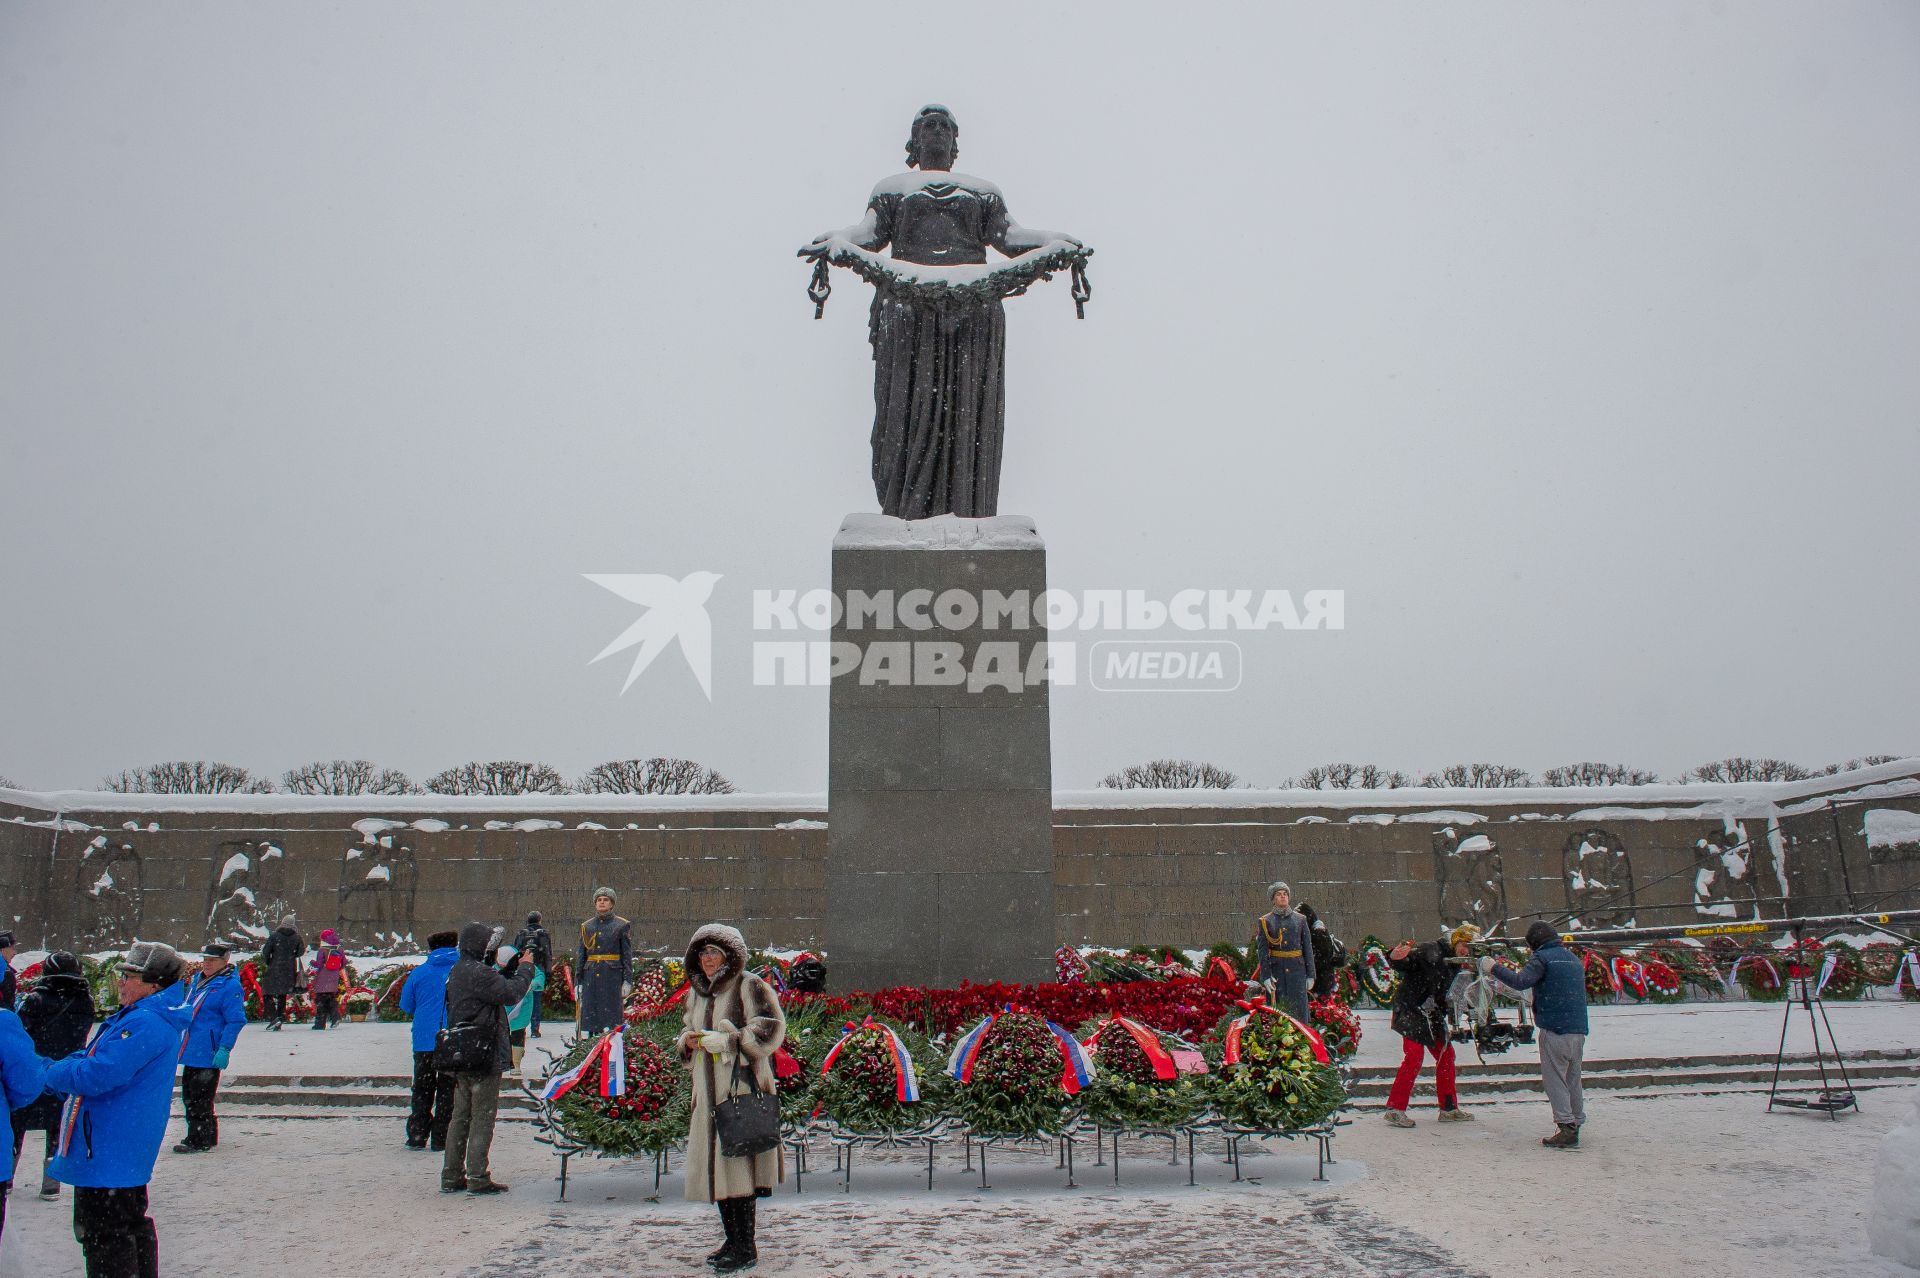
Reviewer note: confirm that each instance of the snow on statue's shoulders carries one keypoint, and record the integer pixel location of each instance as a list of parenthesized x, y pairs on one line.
[(918, 180)]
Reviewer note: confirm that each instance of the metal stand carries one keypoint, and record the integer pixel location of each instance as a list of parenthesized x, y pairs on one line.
[(1827, 1100)]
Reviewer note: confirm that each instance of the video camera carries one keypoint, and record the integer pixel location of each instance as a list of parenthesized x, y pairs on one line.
[(1494, 1037)]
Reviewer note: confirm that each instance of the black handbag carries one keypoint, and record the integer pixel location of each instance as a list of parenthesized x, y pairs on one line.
[(748, 1124), (467, 1048)]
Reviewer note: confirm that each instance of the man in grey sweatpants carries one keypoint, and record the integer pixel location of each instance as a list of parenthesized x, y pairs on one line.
[(1559, 986)]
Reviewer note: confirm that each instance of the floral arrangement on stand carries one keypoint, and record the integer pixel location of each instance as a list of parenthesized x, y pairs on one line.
[(1602, 984), (1757, 975), (620, 1095), (874, 1079), (1188, 1006), (1139, 1083), (1068, 967), (1339, 1027), (1378, 981), (387, 985), (1274, 1074), (1016, 1074), (1663, 983)]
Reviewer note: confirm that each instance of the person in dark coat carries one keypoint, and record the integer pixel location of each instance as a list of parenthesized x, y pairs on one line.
[(9, 979), (1327, 958), (603, 975), (536, 943), (1559, 985), (58, 1015), (217, 1012), (281, 958), (1286, 955), (1420, 1019), (479, 993), (424, 998)]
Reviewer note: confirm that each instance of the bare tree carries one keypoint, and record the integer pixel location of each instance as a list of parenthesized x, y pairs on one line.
[(1740, 768), (183, 777), (1477, 776), (653, 776), (1349, 776), (1171, 774), (502, 776), (346, 776), (1854, 765), (7, 784), (1599, 774)]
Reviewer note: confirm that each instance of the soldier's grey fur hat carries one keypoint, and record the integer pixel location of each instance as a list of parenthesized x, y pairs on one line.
[(1278, 885), (606, 892)]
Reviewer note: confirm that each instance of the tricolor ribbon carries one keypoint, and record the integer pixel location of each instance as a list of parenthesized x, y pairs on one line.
[(608, 1045), (906, 1086), (1076, 1066), (1907, 969), (1826, 973), (1625, 971), (1163, 1063), (1254, 1007), (1766, 965), (1606, 970)]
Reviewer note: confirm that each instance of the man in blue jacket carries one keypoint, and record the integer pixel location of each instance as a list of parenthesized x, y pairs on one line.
[(119, 1092), (23, 1076), (218, 1012), (1559, 986), (424, 997)]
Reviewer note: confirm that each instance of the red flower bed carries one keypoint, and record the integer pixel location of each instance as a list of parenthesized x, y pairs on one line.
[(1185, 1005)]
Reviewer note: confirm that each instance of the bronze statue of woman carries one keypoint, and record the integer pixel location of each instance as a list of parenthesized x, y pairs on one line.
[(939, 335)]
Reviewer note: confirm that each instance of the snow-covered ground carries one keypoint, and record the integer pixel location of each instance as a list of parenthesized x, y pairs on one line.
[(1712, 1185)]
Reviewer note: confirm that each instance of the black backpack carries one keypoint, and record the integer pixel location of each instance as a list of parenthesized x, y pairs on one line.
[(470, 1046)]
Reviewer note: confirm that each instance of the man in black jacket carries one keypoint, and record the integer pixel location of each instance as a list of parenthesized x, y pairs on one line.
[(479, 994), (536, 944), (58, 1013)]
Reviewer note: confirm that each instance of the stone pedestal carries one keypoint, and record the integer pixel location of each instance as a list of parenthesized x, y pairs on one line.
[(940, 793)]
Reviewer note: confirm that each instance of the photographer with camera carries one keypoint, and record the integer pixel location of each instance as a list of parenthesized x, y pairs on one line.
[(1559, 986), (1420, 1019)]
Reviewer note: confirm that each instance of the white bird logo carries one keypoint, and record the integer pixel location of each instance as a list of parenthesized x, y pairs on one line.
[(674, 610)]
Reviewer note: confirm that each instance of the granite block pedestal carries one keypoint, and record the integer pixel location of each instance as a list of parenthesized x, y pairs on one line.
[(940, 788)]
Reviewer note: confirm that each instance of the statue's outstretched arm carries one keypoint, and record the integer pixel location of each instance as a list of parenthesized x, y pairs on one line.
[(865, 233), (1014, 239)]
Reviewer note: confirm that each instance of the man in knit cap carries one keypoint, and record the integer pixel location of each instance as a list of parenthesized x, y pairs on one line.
[(1285, 950), (603, 974)]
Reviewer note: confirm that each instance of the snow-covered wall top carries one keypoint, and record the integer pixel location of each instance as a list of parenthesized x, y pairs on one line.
[(1900, 779)]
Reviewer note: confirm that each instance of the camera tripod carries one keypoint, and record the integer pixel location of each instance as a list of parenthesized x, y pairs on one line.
[(1826, 1100)]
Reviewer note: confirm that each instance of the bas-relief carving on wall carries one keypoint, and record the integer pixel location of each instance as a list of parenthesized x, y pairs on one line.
[(1598, 874), (1472, 884), (1723, 878), (107, 883), (378, 878), (246, 892)]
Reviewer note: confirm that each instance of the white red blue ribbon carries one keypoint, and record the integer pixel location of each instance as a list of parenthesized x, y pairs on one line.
[(1077, 1068), (566, 1080), (906, 1083)]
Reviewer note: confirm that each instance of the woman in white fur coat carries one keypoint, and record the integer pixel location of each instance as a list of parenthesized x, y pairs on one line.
[(731, 1016)]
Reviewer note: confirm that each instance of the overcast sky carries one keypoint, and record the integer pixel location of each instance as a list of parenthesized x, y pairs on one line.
[(1575, 343)]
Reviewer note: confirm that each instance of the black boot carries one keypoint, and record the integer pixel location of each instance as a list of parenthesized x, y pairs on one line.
[(726, 1223), (744, 1254)]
